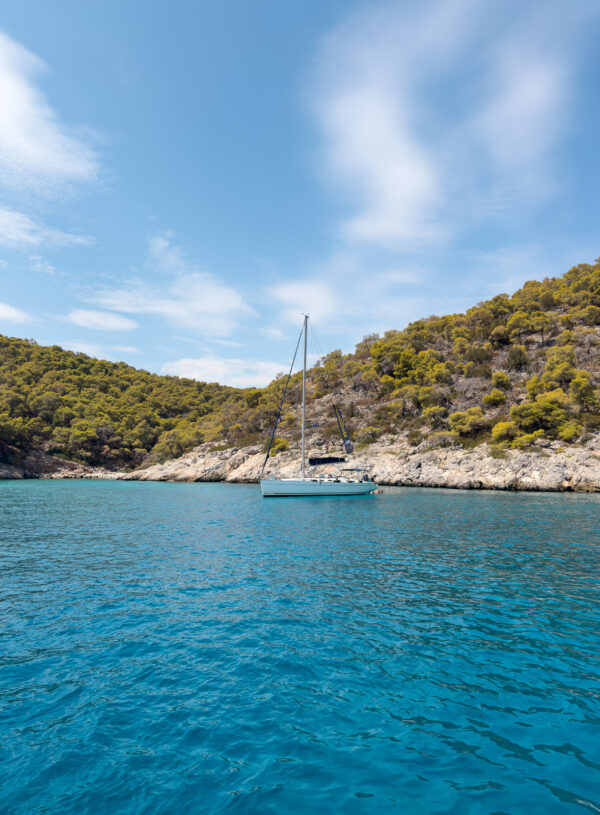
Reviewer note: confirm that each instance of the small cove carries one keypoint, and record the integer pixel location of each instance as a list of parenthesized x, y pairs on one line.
[(169, 647)]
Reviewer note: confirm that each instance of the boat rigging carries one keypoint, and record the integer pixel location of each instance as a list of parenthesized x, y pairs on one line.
[(318, 485)]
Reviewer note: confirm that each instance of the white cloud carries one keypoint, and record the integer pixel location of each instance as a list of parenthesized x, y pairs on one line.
[(38, 264), (506, 269), (271, 332), (126, 349), (82, 347), (197, 301), (190, 297), (350, 295), (38, 153), (229, 343), (367, 107), (523, 119), (165, 257), (10, 314), (99, 351), (347, 293), (376, 158), (19, 231), (101, 320), (241, 373), (439, 122), (312, 296), (435, 114)]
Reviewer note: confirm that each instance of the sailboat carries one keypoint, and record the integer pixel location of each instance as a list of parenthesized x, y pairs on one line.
[(313, 485)]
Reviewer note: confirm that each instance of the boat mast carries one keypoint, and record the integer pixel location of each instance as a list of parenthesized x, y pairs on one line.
[(304, 392)]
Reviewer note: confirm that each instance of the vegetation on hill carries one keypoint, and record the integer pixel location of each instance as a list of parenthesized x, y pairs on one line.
[(511, 370), (98, 412)]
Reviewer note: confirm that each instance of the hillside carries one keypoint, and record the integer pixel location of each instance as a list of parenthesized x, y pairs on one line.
[(511, 371), (98, 412)]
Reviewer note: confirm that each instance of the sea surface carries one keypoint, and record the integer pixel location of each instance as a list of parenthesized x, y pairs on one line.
[(195, 648)]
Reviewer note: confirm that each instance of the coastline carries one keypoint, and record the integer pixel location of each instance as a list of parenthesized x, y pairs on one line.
[(549, 466)]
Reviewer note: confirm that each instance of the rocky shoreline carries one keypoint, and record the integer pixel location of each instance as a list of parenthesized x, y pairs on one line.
[(42, 465), (549, 466)]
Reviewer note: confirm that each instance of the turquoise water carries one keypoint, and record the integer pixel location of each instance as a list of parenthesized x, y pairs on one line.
[(191, 648)]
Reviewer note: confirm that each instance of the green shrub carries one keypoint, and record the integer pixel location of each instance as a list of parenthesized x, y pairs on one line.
[(494, 398), (560, 366), (569, 431), (535, 386), (582, 391), (504, 431), (590, 315), (527, 440), (565, 338), (409, 394), (518, 325), (387, 383), (548, 412), (517, 357), (289, 420), (252, 396), (429, 396), (478, 353), (502, 381), (500, 336), (467, 422), (441, 374), (435, 415), (278, 446), (474, 370)]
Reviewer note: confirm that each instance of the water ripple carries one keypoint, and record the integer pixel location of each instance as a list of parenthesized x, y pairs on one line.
[(193, 647)]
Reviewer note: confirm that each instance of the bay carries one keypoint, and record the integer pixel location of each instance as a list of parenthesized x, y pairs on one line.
[(196, 648)]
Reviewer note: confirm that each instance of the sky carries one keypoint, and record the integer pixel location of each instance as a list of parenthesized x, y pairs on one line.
[(180, 182)]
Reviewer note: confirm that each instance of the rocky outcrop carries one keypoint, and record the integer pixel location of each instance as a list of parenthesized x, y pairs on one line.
[(547, 466), (17, 464), (240, 465)]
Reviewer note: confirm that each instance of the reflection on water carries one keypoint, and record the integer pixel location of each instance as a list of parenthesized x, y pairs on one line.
[(193, 647)]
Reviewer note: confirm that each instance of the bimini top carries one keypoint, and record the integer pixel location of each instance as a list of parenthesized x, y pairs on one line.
[(315, 460)]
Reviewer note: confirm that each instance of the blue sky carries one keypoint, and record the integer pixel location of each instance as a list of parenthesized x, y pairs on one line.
[(179, 182)]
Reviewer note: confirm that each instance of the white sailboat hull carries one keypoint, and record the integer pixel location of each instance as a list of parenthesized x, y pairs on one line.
[(282, 487)]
